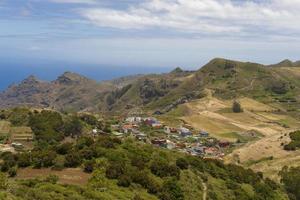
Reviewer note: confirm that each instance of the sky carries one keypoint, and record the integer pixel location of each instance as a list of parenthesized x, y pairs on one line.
[(110, 38)]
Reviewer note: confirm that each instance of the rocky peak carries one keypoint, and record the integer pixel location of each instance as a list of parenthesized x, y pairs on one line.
[(286, 63), (177, 70), (70, 78), (30, 80)]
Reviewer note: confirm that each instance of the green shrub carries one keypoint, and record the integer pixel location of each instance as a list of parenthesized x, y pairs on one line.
[(124, 181), (72, 159), (3, 181), (12, 172), (182, 163), (236, 107)]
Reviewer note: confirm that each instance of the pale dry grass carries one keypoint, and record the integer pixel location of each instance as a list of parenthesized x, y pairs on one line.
[(4, 127), (73, 176)]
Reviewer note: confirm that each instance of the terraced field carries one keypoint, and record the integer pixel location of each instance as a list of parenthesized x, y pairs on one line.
[(264, 152)]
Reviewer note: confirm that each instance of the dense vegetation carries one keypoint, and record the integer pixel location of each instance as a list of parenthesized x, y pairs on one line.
[(295, 141), (291, 181), (128, 164), (120, 169)]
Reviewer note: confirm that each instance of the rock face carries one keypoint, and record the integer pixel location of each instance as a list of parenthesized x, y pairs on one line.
[(69, 91)]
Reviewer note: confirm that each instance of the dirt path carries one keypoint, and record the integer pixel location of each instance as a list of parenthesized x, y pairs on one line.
[(204, 196)]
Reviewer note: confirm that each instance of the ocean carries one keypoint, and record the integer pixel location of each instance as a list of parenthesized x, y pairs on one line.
[(15, 73)]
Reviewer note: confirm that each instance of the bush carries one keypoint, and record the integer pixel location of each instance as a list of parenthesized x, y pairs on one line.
[(73, 159), (290, 147), (47, 126), (115, 170), (59, 163), (137, 197), (162, 169), (52, 179), (3, 181), (182, 163), (290, 177), (83, 142), (236, 107), (24, 160), (73, 127), (89, 166), (124, 181), (171, 191), (12, 172), (44, 158), (64, 148)]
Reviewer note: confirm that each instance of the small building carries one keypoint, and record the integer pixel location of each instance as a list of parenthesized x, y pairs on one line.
[(199, 150), (171, 145), (127, 128), (17, 145), (203, 134), (133, 119), (184, 132), (141, 137), (118, 134), (211, 151), (95, 131), (169, 130), (150, 120), (130, 119), (157, 125), (224, 143), (159, 142)]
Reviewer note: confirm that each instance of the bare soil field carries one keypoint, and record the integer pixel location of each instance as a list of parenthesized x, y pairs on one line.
[(73, 176), (253, 155), (265, 154), (215, 116)]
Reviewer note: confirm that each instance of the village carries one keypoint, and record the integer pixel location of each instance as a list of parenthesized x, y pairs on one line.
[(148, 130), (183, 139)]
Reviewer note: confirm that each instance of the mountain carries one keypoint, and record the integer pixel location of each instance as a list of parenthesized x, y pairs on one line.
[(286, 63), (69, 91), (227, 79)]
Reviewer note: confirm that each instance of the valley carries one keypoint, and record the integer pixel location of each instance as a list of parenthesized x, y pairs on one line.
[(181, 114)]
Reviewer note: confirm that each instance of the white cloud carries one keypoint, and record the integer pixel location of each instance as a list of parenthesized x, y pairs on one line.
[(75, 1), (274, 17)]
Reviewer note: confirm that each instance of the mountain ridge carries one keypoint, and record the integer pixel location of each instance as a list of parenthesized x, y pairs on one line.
[(228, 78)]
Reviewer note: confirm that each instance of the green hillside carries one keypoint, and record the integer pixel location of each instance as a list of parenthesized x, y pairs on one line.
[(106, 167)]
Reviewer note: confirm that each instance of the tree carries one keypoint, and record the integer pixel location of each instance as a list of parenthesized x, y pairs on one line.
[(124, 180), (3, 181), (47, 125), (24, 160), (182, 163), (73, 127), (89, 166), (73, 159), (171, 191), (12, 172), (64, 148), (236, 107), (290, 177)]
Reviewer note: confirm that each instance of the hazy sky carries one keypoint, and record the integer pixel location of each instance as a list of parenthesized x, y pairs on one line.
[(148, 33)]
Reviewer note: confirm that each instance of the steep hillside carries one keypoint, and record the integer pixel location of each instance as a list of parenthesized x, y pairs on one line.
[(69, 91), (277, 85)]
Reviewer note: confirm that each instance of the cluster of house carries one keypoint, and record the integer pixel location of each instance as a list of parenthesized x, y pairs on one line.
[(183, 139), (11, 147)]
